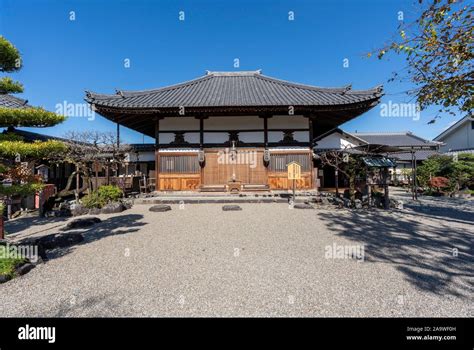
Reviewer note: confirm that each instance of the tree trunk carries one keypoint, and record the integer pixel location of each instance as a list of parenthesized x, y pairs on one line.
[(67, 192), (352, 188)]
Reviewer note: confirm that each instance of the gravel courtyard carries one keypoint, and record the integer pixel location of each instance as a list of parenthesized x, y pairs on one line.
[(266, 260)]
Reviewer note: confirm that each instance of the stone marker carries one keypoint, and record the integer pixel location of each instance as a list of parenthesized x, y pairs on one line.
[(4, 278), (302, 206), (82, 222), (112, 208), (25, 268), (160, 208), (61, 240), (231, 207)]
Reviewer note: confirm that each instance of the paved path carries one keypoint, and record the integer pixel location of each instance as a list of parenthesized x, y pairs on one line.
[(266, 260)]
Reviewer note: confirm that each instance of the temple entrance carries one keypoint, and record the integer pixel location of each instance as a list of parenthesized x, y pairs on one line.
[(234, 168)]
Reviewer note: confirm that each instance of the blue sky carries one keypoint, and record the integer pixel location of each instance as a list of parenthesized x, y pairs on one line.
[(62, 58)]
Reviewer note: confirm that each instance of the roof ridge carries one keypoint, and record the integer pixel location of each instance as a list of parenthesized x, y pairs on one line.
[(384, 133), (347, 89), (210, 74), (127, 93), (242, 73)]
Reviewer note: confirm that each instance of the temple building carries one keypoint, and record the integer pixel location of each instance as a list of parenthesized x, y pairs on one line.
[(231, 131)]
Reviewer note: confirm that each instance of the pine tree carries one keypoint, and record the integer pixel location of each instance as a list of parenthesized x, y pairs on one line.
[(15, 112)]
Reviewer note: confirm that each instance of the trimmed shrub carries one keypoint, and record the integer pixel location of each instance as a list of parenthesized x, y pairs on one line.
[(103, 196), (439, 182)]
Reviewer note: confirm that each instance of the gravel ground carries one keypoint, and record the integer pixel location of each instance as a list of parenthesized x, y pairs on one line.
[(265, 260)]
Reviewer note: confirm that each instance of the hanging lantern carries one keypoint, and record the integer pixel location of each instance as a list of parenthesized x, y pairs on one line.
[(201, 157), (266, 157)]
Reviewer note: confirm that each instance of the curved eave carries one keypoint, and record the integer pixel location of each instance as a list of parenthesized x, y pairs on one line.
[(143, 120), (113, 102), (106, 110)]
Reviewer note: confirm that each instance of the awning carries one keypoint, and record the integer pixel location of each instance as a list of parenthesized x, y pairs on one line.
[(379, 162)]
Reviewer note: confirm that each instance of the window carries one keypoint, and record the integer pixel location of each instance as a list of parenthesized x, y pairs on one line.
[(179, 164), (278, 161)]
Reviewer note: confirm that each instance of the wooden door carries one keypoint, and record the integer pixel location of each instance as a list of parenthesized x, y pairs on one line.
[(250, 170)]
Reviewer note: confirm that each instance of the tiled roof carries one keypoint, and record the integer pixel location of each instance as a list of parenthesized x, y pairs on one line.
[(29, 136), (10, 101), (459, 151), (234, 89), (403, 139), (419, 155)]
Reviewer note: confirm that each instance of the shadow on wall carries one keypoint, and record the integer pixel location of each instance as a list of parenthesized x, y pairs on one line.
[(423, 252)]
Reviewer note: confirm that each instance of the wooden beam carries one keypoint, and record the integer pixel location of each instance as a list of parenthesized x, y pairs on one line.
[(157, 134), (201, 133), (311, 132), (157, 154), (118, 136), (265, 131)]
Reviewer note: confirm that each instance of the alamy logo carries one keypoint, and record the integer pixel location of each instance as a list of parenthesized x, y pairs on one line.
[(20, 251), (336, 251), (229, 156), (400, 110), (75, 110), (37, 333)]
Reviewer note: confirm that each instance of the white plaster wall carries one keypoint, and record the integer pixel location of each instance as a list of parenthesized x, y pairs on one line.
[(288, 122), (142, 157), (275, 136), (463, 137), (301, 136), (166, 138), (179, 123), (335, 140), (233, 123), (215, 137), (191, 137), (251, 136)]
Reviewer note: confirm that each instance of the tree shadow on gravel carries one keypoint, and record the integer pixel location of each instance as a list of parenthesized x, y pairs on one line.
[(22, 223), (444, 213), (113, 226), (423, 252)]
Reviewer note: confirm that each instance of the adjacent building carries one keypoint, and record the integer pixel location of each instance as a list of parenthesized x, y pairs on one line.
[(406, 148), (458, 138)]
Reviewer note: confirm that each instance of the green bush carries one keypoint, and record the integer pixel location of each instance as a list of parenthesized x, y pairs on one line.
[(103, 196), (8, 264), (460, 173)]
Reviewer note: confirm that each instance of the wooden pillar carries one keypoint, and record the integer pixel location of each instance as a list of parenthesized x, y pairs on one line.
[(414, 190), (77, 180), (414, 176), (311, 133), (314, 172), (265, 131), (118, 136), (201, 133), (157, 154), (386, 203)]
